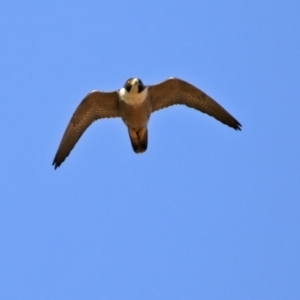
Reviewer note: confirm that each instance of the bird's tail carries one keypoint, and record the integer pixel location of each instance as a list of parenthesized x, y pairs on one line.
[(139, 139)]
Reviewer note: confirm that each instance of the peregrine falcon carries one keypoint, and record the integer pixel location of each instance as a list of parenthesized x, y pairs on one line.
[(134, 103)]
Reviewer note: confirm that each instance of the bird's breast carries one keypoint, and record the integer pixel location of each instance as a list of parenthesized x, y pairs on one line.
[(135, 115)]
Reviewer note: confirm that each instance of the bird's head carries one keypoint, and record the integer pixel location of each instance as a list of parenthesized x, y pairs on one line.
[(134, 85)]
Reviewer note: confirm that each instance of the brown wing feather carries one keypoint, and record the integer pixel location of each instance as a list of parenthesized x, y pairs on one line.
[(176, 91), (94, 106)]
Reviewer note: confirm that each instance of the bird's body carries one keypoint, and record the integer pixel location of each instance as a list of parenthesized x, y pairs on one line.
[(135, 110), (134, 103)]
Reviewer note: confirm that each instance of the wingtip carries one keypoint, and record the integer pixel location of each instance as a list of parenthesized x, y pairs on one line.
[(238, 126), (55, 163)]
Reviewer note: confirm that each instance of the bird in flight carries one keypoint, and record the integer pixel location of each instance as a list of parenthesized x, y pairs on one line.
[(134, 103)]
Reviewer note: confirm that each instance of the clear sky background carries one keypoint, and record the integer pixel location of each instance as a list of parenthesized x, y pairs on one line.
[(207, 212)]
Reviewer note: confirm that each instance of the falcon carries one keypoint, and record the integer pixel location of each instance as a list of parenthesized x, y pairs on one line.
[(134, 103)]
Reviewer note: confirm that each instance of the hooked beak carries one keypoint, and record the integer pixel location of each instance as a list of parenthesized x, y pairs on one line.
[(134, 81)]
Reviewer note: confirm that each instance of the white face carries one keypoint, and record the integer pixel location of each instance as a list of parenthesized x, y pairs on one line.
[(133, 97), (134, 85)]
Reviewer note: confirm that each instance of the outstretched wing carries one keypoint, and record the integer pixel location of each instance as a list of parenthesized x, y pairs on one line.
[(176, 91), (94, 106)]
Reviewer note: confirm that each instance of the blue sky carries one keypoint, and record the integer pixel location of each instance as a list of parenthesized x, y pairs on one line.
[(206, 212)]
